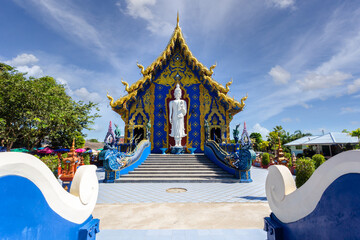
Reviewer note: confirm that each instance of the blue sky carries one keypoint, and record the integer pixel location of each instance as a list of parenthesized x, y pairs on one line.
[(298, 61)]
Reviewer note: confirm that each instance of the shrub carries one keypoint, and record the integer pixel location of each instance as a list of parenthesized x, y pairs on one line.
[(287, 155), (318, 160), (304, 169), (265, 160), (51, 162), (86, 159)]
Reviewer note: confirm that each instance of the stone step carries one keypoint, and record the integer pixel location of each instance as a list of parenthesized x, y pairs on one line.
[(177, 172), (176, 157), (178, 162), (182, 180), (177, 166), (165, 165), (178, 169), (184, 175)]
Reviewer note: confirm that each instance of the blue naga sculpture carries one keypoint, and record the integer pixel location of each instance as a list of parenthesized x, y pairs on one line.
[(244, 156), (117, 163), (110, 155), (238, 162)]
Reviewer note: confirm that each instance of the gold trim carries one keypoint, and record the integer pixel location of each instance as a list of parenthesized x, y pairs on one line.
[(152, 113)]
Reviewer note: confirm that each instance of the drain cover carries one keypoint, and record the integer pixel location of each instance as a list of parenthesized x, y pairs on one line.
[(176, 190)]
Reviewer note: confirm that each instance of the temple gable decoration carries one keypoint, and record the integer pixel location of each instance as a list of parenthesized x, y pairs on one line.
[(149, 97)]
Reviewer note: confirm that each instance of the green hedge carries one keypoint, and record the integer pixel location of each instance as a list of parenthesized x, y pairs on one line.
[(51, 162), (265, 160), (304, 169)]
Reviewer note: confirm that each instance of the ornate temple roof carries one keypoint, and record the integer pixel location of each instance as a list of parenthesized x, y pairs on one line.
[(119, 105)]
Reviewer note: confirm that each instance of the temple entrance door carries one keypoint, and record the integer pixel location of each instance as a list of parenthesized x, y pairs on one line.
[(215, 134), (138, 134)]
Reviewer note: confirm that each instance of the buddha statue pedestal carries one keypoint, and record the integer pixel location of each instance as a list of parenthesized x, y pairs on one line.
[(177, 150)]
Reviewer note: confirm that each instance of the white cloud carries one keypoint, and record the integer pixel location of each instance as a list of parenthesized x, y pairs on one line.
[(33, 71), (25, 63), (141, 9), (260, 129), (86, 96), (305, 105), (280, 75), (282, 3), (286, 120), (314, 81), (345, 110), (23, 60), (354, 87)]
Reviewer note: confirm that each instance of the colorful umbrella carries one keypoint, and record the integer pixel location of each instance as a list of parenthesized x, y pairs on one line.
[(19, 150), (80, 150)]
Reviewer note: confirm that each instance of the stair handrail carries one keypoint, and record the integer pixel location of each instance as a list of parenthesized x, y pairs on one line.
[(133, 156), (217, 146), (221, 154)]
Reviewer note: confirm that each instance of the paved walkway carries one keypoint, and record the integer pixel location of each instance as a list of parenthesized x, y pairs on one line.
[(211, 211), (204, 234), (195, 192)]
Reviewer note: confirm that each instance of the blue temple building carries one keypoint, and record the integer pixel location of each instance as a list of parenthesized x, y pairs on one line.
[(147, 100)]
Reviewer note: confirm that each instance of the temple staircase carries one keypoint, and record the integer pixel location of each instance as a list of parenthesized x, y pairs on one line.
[(177, 168)]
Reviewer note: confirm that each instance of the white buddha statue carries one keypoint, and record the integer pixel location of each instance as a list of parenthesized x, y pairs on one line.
[(177, 109)]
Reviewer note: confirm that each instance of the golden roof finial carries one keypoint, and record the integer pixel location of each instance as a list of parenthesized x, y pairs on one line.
[(177, 20)]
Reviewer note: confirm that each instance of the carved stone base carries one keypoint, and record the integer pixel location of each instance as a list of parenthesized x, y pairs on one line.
[(163, 150), (111, 176), (245, 176), (177, 150), (192, 150)]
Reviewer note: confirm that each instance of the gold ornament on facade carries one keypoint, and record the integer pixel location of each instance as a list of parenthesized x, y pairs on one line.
[(227, 86), (126, 86)]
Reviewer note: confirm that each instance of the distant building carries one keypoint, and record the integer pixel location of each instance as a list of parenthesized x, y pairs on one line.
[(328, 144)]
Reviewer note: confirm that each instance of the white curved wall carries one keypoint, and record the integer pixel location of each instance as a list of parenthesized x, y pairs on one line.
[(75, 207), (290, 204)]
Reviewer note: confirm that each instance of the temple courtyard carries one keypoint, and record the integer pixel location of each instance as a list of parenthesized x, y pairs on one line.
[(182, 210)]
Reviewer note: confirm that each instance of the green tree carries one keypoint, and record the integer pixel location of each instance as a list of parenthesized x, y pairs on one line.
[(257, 140), (264, 145), (356, 133), (93, 140), (35, 108)]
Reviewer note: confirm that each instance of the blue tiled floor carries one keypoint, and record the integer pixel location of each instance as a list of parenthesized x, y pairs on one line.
[(196, 192), (204, 234)]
